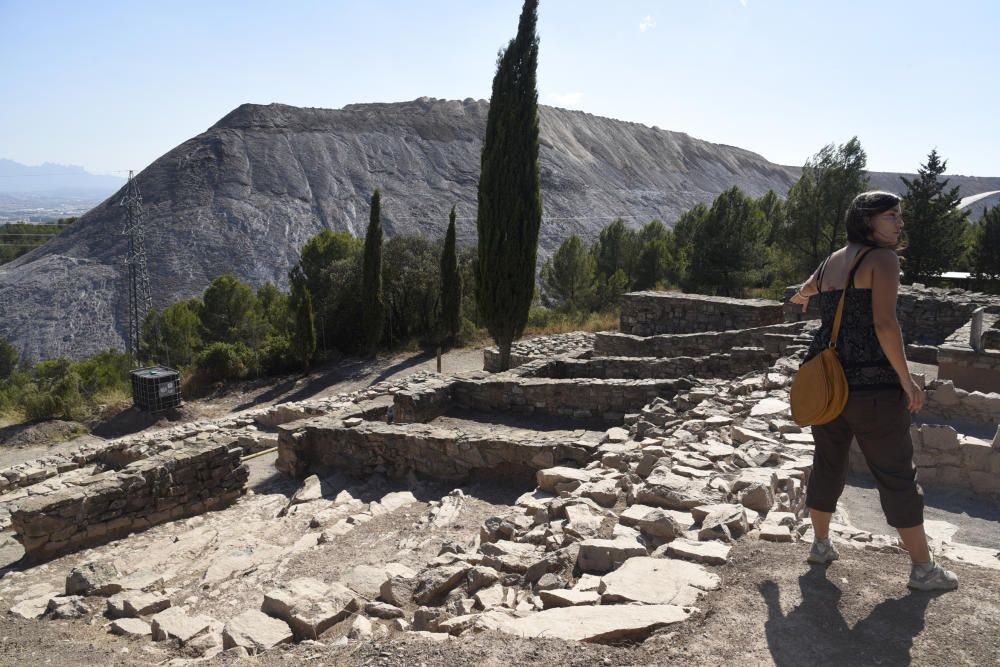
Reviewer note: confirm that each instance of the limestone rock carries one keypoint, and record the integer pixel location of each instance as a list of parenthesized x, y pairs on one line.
[(601, 555), (255, 631), (561, 478), (709, 553), (32, 608), (568, 598), (130, 627), (142, 604), (383, 610), (397, 590), (309, 606), (513, 557), (757, 497), (775, 533), (96, 578), (175, 623), (596, 623), (480, 576), (435, 583), (653, 521), (67, 607), (657, 581)]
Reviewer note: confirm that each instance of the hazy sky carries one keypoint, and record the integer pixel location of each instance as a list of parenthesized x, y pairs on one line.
[(113, 85)]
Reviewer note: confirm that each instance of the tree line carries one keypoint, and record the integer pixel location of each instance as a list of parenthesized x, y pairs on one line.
[(17, 238), (740, 246)]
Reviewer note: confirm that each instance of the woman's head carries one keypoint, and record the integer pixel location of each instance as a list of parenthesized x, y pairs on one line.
[(875, 218)]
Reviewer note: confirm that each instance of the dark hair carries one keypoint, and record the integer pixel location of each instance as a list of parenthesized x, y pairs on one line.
[(859, 214)]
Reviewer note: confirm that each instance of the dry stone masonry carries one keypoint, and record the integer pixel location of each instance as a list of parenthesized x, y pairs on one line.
[(651, 313), (145, 493)]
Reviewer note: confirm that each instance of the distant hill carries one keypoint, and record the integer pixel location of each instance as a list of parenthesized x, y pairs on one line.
[(20, 179), (243, 197)]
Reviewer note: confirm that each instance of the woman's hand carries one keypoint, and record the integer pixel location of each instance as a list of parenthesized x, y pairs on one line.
[(799, 299), (914, 396)]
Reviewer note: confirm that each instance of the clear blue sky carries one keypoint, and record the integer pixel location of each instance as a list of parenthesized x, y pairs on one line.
[(112, 85)]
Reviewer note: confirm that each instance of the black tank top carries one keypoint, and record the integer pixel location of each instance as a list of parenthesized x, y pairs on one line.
[(865, 364)]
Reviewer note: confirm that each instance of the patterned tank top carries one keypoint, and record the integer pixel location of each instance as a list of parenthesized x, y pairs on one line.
[(865, 364)]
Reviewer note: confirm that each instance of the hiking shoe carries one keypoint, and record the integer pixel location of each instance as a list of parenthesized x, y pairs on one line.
[(822, 552), (931, 577)]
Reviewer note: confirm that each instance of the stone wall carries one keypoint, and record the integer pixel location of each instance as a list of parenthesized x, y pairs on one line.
[(170, 485), (963, 365), (599, 401), (324, 444), (773, 338), (651, 313), (946, 402), (927, 315), (737, 361), (946, 459)]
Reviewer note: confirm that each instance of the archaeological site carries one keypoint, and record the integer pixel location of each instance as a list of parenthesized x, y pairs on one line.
[(594, 504)]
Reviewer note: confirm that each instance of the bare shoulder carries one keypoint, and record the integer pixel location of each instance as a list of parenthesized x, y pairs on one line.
[(884, 259)]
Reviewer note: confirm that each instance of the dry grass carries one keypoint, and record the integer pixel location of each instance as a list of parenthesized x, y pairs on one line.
[(554, 323)]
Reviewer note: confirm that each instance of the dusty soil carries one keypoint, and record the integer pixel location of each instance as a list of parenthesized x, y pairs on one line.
[(772, 609)]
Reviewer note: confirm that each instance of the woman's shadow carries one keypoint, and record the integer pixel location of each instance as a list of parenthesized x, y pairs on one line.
[(815, 632)]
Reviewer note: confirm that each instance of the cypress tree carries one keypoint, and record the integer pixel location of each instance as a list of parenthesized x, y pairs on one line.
[(451, 283), (373, 300), (934, 226), (303, 341), (510, 201)]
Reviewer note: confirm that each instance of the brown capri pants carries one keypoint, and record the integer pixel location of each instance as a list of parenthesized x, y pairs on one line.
[(880, 421)]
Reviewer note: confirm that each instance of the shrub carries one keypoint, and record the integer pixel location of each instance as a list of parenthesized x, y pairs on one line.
[(225, 361)]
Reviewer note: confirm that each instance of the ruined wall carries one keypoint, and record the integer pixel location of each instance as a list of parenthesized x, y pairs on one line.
[(946, 459), (946, 402), (927, 315), (963, 365), (323, 444), (773, 338), (601, 401), (651, 313), (169, 485), (737, 361)]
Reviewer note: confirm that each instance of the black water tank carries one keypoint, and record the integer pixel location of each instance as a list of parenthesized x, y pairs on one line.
[(156, 388)]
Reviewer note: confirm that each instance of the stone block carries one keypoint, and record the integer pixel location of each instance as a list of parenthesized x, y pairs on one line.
[(602, 555), (175, 623), (309, 606), (255, 631)]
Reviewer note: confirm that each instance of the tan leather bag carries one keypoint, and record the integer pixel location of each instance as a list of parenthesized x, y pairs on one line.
[(819, 390)]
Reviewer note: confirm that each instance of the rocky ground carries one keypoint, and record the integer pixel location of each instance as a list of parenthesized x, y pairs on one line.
[(678, 544)]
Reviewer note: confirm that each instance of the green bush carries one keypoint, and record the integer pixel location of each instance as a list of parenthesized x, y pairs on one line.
[(276, 355), (225, 361)]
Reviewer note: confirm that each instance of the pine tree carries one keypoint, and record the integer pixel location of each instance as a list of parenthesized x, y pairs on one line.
[(451, 283), (818, 202), (727, 249), (373, 300), (935, 228), (510, 202), (569, 276), (303, 343)]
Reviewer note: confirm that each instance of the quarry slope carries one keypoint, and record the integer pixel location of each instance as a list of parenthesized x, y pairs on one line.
[(246, 194)]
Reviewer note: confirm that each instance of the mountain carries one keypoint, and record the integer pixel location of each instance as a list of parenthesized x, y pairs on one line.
[(20, 179), (243, 197)]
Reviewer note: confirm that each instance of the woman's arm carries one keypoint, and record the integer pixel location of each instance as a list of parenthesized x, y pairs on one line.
[(809, 288), (885, 287)]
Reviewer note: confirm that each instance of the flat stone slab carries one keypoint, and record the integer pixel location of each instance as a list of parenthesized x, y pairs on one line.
[(657, 581), (255, 631), (174, 623), (665, 489), (562, 478), (32, 608), (309, 606), (130, 627), (562, 597), (600, 555), (144, 604), (709, 553), (768, 407), (596, 624)]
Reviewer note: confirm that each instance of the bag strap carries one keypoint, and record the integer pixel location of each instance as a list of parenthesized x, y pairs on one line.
[(819, 277), (843, 296)]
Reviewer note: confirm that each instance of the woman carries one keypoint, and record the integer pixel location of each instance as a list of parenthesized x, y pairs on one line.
[(881, 392)]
